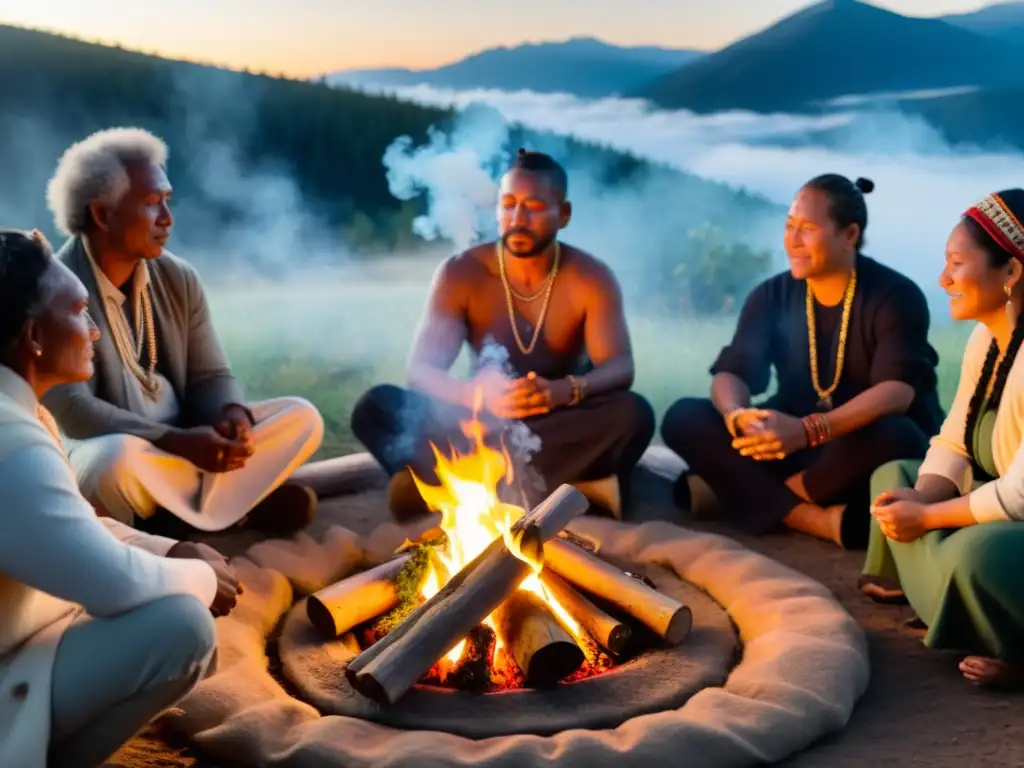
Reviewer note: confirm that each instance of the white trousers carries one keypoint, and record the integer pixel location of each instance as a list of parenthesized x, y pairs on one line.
[(126, 476)]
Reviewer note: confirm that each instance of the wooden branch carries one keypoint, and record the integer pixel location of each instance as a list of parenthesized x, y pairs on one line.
[(540, 645), (669, 618), (351, 601), (608, 632), (386, 670)]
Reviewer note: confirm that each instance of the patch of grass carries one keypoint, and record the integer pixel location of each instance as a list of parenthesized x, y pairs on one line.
[(330, 338)]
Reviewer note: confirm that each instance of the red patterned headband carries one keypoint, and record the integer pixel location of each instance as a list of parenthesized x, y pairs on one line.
[(998, 220)]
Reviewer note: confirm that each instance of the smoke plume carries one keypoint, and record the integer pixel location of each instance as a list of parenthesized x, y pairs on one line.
[(922, 184)]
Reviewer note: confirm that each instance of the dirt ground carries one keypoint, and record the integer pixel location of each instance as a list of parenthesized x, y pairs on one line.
[(918, 710)]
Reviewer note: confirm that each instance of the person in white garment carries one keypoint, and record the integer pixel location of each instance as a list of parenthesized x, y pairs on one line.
[(102, 627), (161, 434)]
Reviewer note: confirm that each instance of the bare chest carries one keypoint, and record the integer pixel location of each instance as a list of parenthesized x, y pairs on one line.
[(545, 333)]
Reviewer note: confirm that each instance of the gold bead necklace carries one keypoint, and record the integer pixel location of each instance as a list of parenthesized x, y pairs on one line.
[(825, 395)]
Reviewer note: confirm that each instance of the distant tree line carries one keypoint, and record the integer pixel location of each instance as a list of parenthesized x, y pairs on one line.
[(330, 142)]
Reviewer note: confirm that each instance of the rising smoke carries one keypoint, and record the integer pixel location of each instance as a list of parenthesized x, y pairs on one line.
[(922, 183), (241, 215), (451, 170), (245, 216), (634, 226), (259, 214)]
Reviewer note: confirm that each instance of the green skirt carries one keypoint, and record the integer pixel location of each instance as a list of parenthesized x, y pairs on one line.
[(966, 584)]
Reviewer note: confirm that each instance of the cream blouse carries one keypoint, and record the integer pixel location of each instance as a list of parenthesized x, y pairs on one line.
[(1002, 498)]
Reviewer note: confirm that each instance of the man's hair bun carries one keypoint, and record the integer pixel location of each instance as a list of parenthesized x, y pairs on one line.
[(864, 185)]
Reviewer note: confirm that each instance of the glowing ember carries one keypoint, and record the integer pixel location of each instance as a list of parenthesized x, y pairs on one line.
[(472, 516)]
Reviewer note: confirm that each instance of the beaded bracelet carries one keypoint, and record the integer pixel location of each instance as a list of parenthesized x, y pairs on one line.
[(579, 390), (817, 429)]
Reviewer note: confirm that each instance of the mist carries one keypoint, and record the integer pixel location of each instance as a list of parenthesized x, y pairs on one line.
[(249, 217), (238, 217), (922, 184), (261, 243), (638, 227)]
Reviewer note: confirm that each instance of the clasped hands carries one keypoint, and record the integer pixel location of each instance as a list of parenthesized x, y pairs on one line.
[(901, 514), (224, 447), (764, 434), (228, 585), (529, 395)]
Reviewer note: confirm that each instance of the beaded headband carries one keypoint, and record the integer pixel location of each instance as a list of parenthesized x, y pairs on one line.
[(995, 216)]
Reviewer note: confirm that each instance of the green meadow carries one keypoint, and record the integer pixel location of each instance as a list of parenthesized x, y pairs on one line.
[(330, 336)]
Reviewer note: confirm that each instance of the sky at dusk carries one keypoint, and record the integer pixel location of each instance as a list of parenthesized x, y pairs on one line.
[(307, 37)]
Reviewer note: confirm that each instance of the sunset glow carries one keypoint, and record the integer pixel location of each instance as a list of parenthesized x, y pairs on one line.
[(308, 37)]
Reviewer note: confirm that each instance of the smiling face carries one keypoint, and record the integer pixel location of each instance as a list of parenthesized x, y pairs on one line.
[(814, 244), (973, 278)]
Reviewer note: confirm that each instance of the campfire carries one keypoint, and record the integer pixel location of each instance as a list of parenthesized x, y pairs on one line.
[(496, 598)]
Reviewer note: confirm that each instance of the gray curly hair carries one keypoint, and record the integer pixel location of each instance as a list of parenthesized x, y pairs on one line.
[(96, 169)]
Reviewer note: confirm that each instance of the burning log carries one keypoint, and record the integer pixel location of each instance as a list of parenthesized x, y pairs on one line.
[(608, 632), (540, 645), (391, 666), (669, 618), (351, 601), (473, 672)]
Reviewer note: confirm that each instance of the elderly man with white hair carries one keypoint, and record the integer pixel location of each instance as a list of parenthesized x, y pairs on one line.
[(162, 433)]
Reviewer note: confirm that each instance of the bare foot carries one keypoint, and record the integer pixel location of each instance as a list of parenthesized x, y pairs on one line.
[(796, 485), (821, 522), (992, 673), (881, 593)]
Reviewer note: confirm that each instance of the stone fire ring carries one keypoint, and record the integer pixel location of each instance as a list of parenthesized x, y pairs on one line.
[(804, 666)]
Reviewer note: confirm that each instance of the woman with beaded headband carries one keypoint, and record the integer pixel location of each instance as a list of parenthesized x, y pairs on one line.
[(947, 536), (848, 340)]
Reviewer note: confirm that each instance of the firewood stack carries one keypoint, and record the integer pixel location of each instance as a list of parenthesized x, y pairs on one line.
[(580, 607)]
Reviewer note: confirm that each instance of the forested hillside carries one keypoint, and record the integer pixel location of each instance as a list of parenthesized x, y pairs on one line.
[(270, 169), (56, 90)]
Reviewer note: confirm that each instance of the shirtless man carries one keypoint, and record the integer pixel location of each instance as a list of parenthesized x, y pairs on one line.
[(549, 348)]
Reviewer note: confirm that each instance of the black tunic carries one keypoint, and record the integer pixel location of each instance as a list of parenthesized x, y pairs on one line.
[(887, 340)]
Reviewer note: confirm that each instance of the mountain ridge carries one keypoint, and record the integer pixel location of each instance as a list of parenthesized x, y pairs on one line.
[(583, 66), (833, 49), (1003, 21)]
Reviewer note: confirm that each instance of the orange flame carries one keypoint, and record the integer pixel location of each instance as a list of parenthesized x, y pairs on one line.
[(472, 516)]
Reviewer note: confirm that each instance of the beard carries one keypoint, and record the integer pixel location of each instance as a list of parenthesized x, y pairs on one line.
[(540, 244)]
